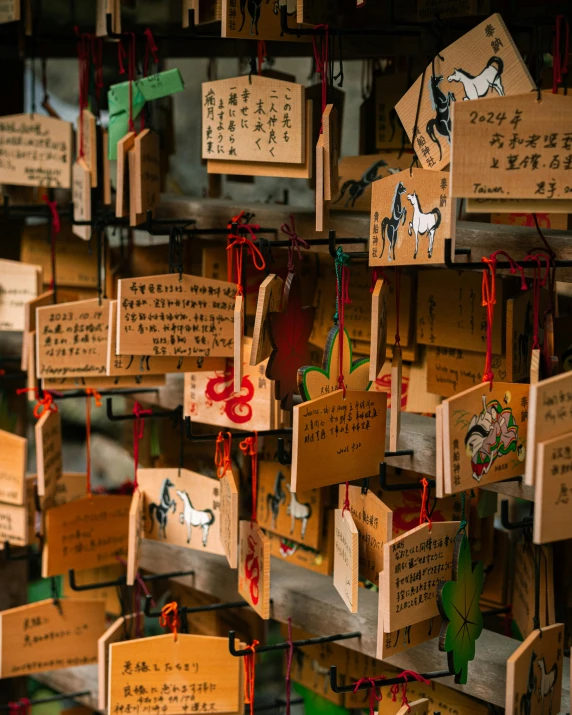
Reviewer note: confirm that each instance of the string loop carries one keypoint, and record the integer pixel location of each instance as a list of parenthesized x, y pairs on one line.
[(374, 696), (249, 447), (170, 618), (138, 429), (424, 512), (43, 404), (296, 242), (222, 458), (237, 242), (249, 675)]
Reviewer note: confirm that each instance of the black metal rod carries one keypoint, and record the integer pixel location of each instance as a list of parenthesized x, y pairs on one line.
[(72, 394), (501, 265), (241, 435), (51, 699), (282, 456), (333, 242), (28, 555), (130, 416), (401, 453), (527, 522), (379, 682), (285, 646), (186, 610), (122, 580), (400, 487)]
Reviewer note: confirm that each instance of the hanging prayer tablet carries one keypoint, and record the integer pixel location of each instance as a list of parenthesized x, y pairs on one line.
[(402, 639), (147, 171), (134, 536), (331, 151), (379, 298), (553, 490), (238, 339), (346, 557), (13, 525), (357, 175), (135, 218), (269, 301), (523, 595), (254, 567), (86, 137), (124, 145), (337, 439), (19, 283), (118, 631), (81, 198), (48, 435), (321, 203), (13, 470), (229, 517)]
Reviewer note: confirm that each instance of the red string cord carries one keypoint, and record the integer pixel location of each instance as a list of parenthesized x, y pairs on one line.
[(237, 243), (374, 696), (295, 242), (406, 674), (343, 298), (424, 512), (89, 393), (138, 429), (537, 283), (376, 274), (169, 618), (347, 505), (239, 219), (250, 447), (560, 59), (43, 404), (250, 675), (223, 448), (289, 658), (261, 52), (321, 60)]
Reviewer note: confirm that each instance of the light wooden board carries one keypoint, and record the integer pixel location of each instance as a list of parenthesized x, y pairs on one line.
[(411, 216), (13, 525), (229, 517), (414, 395), (147, 171), (48, 436), (534, 673), (114, 634), (253, 118), (520, 330), (484, 435), (379, 298), (373, 519), (321, 204), (482, 205), (164, 316), (12, 467), (389, 644), (408, 587), (549, 415), (396, 399), (37, 151), (513, 147), (19, 283), (71, 339), (477, 53), (331, 151), (181, 507), (320, 438), (106, 167), (104, 383), (254, 567), (177, 673), (122, 199), (135, 218), (388, 90), (136, 521), (42, 636), (88, 532), (553, 490), (453, 370), (81, 198), (523, 591), (346, 558), (87, 134), (439, 452), (294, 516), (269, 301)]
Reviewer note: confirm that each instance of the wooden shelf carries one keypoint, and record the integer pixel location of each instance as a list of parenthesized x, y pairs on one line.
[(72, 680)]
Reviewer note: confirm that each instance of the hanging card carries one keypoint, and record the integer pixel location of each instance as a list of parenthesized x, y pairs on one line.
[(48, 435), (331, 151), (147, 177), (12, 467), (254, 567), (373, 520), (81, 198), (238, 342), (377, 353), (49, 636), (257, 22), (86, 533), (553, 490), (315, 382), (441, 698), (191, 673), (13, 525), (439, 454), (337, 439), (515, 147), (229, 517), (135, 218), (253, 118), (402, 639), (181, 507), (414, 565), (168, 315), (108, 594), (72, 339), (453, 370), (19, 283), (411, 216), (122, 198), (89, 145), (118, 631), (346, 558), (269, 301), (534, 673), (36, 151), (549, 416), (136, 522), (484, 435), (281, 511), (482, 63), (396, 390), (523, 590)]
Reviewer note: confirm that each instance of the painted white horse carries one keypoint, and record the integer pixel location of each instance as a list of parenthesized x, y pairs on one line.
[(423, 223), (195, 517), (546, 685), (297, 510), (475, 87)]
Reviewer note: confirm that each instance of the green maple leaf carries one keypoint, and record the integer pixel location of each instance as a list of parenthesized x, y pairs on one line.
[(458, 602)]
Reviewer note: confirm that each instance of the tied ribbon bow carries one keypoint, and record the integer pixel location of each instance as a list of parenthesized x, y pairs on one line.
[(53, 206), (296, 242), (43, 404), (406, 674), (374, 696), (222, 453), (237, 243), (249, 675), (169, 618), (21, 707), (249, 446), (424, 513), (138, 429)]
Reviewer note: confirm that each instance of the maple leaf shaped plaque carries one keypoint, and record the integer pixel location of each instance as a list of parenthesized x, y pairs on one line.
[(289, 333)]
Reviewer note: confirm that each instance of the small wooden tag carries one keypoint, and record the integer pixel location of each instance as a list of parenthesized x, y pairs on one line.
[(269, 301), (13, 470), (29, 644), (346, 558), (523, 592), (229, 518), (124, 145), (48, 434), (321, 206), (254, 567), (535, 366), (439, 452), (89, 137), (237, 346), (147, 171), (553, 490), (331, 151), (114, 634), (13, 525), (326, 449), (379, 298), (81, 198), (134, 536), (396, 391), (135, 218)]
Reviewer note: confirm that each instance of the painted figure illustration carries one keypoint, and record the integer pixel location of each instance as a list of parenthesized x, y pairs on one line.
[(203, 518), (298, 511), (441, 122), (235, 406), (390, 226), (252, 570), (254, 7), (492, 433), (526, 699), (161, 510), (478, 87), (275, 498), (356, 188), (546, 684), (423, 223)]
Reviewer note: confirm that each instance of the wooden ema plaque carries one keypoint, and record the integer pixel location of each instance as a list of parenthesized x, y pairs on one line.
[(136, 521), (89, 138), (166, 315), (388, 91), (256, 22), (253, 118), (346, 558), (118, 631), (519, 331), (12, 468), (378, 346), (49, 636), (19, 283), (523, 596), (553, 490), (411, 216), (331, 151), (414, 565), (484, 435), (534, 673), (482, 63), (48, 434), (71, 339), (237, 358), (229, 517), (147, 171), (13, 525), (36, 151), (81, 198), (294, 516), (402, 639), (373, 520), (124, 146), (441, 698), (514, 147), (549, 416), (269, 301), (453, 370), (254, 567), (89, 532), (135, 218), (335, 439)]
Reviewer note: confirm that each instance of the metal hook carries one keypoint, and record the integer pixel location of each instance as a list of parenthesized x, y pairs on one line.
[(379, 682), (526, 523), (184, 610), (28, 555), (402, 487), (121, 581), (285, 646), (282, 456)]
